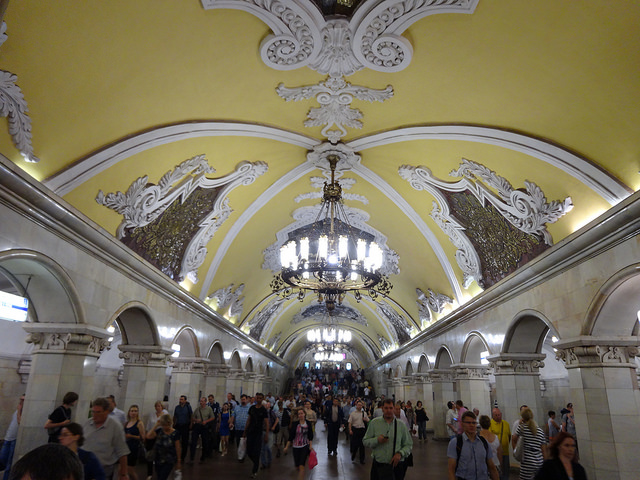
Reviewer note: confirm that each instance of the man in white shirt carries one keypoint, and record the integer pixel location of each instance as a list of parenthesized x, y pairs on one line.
[(358, 420), (400, 415), (116, 413)]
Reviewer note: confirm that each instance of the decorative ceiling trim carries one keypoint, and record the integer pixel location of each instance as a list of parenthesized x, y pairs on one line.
[(340, 47), (144, 203), (334, 96), (72, 177), (228, 299), (14, 107), (602, 183)]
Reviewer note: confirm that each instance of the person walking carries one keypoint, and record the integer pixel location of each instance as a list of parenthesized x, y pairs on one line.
[(301, 439), (334, 418), (552, 426), (167, 448), (71, 436), (563, 463), (390, 443), (134, 434), (452, 420), (470, 456), (223, 428), (159, 410), (182, 423), (60, 417), (257, 432), (421, 419), (239, 416), (202, 416), (534, 443), (501, 428), (492, 439), (357, 423)]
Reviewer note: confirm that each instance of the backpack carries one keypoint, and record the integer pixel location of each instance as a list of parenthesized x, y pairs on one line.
[(286, 418), (459, 446)]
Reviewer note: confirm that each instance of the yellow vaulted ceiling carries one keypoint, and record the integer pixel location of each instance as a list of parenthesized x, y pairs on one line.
[(535, 77)]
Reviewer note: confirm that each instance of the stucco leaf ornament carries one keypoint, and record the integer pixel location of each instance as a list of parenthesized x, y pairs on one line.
[(14, 107), (335, 112)]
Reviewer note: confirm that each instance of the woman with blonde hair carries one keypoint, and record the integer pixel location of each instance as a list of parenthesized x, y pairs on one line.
[(134, 434), (534, 445)]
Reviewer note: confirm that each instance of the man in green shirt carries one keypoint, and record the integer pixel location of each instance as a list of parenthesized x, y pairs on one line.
[(389, 449)]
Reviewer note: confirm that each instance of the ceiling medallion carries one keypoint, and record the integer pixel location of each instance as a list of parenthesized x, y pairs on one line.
[(332, 258), (14, 107), (334, 96)]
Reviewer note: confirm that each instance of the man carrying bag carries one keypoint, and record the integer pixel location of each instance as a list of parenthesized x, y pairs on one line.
[(391, 444)]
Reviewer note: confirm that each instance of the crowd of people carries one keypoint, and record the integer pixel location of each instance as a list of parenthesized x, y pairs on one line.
[(111, 442)]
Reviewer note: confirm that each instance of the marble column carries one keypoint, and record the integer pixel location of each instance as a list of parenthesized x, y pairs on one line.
[(215, 381), (248, 384), (424, 392), (442, 384), (518, 383), (606, 403), (473, 386), (234, 382), (63, 360), (410, 392), (145, 374), (187, 378)]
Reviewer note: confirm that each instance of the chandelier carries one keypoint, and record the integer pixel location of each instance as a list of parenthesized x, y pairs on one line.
[(330, 257)]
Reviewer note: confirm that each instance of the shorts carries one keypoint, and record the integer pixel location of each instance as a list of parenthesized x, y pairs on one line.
[(300, 455)]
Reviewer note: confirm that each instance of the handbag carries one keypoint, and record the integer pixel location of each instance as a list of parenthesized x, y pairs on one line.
[(242, 448), (517, 452), (313, 459)]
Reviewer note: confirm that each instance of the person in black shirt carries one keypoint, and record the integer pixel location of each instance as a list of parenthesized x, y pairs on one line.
[(60, 417), (256, 430), (182, 423)]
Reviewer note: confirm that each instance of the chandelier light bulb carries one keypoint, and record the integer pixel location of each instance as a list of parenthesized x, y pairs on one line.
[(323, 246), (361, 249), (304, 248)]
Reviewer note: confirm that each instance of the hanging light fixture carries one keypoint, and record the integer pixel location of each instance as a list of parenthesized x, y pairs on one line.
[(330, 257)]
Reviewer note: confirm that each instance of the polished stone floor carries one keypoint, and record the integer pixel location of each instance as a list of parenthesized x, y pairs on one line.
[(430, 463)]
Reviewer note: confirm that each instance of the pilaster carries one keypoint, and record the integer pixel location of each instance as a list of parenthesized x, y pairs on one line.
[(63, 360), (473, 386), (215, 381), (442, 384), (424, 392), (606, 403), (187, 378)]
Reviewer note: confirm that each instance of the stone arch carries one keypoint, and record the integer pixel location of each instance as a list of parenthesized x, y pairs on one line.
[(45, 283), (216, 354), (614, 310), (236, 362), (526, 333), (423, 364), (260, 368), (136, 325), (390, 373), (444, 359), (186, 338), (408, 371), (473, 347), (398, 371), (267, 371), (248, 366)]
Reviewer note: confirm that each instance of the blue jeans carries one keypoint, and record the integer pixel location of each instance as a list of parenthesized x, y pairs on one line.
[(6, 456)]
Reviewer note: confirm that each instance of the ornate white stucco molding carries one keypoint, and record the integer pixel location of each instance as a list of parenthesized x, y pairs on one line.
[(14, 107), (228, 299), (431, 301), (143, 203), (334, 96), (371, 38), (528, 212)]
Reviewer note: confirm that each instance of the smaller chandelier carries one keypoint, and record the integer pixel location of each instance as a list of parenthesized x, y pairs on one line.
[(330, 258)]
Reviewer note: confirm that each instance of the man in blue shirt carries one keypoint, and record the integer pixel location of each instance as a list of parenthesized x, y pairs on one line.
[(470, 457), (239, 418)]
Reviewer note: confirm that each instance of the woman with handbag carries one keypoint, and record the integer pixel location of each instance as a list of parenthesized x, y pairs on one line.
[(533, 445), (134, 434), (421, 420), (159, 410), (300, 437), (167, 448)]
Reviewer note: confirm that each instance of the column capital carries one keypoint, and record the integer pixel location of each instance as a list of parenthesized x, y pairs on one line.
[(470, 371), (66, 338), (516, 363), (217, 370), (441, 375), (422, 377), (190, 365), (149, 355), (591, 352)]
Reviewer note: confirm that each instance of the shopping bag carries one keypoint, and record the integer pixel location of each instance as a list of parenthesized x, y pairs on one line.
[(517, 452), (313, 459), (242, 448)]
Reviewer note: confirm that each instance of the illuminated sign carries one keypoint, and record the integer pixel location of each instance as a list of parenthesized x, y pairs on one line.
[(13, 307)]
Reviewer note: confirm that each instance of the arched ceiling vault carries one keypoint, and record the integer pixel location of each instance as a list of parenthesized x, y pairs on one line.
[(463, 133)]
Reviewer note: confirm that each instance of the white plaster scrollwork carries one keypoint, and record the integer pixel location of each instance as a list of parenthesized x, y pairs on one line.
[(529, 212), (62, 342), (334, 96), (24, 369), (14, 107), (586, 356), (229, 300), (435, 301), (143, 203), (189, 366), (260, 320), (273, 342), (471, 372), (144, 358), (371, 38), (384, 343)]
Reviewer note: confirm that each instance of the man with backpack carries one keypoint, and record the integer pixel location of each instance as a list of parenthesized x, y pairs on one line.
[(470, 457)]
